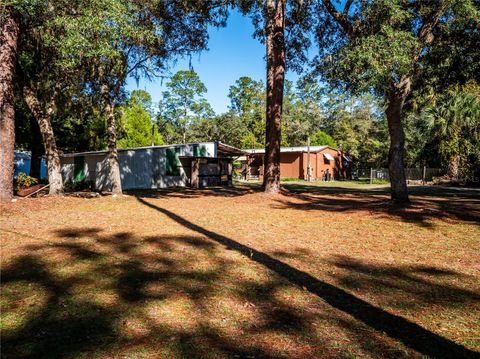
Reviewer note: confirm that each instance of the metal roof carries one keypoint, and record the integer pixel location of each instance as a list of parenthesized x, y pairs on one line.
[(221, 147), (230, 150), (292, 149)]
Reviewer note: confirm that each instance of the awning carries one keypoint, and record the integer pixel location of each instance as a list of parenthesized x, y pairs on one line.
[(329, 157), (226, 150)]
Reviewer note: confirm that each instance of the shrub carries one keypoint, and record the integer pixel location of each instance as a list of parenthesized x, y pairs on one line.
[(24, 181), (78, 186)]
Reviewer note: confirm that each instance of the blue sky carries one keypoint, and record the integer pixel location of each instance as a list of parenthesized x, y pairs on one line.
[(233, 53)]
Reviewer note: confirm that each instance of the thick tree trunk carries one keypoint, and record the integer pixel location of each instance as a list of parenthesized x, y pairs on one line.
[(396, 101), (43, 118), (9, 30), (269, 23), (275, 43), (114, 166)]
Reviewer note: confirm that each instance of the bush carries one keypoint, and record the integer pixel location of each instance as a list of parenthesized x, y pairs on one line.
[(78, 186), (24, 181)]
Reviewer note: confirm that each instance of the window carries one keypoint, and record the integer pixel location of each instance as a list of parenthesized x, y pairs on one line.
[(173, 163)]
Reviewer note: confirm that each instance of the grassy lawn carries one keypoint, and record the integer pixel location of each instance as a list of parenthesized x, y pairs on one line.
[(319, 271)]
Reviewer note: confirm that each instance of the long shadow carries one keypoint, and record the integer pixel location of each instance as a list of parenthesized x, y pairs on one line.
[(410, 334), (406, 286), (187, 192), (427, 202)]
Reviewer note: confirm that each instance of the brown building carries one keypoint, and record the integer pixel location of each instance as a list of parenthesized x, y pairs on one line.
[(294, 163)]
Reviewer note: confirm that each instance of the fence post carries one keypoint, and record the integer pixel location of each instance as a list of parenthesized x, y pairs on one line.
[(424, 174), (371, 175)]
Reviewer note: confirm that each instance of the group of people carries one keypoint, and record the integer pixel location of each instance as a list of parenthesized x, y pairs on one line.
[(327, 176)]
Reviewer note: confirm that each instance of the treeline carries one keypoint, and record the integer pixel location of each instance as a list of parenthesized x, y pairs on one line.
[(443, 132), (354, 124)]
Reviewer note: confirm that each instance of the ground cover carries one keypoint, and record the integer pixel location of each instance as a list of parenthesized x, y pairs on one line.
[(318, 271)]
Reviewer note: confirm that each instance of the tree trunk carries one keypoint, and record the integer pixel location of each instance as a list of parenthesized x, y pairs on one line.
[(275, 43), (454, 168), (114, 166), (269, 23), (9, 30), (396, 155), (43, 118)]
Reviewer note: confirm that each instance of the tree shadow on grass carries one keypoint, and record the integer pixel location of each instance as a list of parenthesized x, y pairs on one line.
[(105, 284), (187, 192), (410, 334), (53, 331), (427, 202), (405, 286), (67, 321)]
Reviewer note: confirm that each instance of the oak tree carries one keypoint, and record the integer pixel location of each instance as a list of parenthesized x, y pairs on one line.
[(382, 47)]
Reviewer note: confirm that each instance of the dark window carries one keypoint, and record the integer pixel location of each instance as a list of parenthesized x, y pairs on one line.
[(79, 169), (173, 163)]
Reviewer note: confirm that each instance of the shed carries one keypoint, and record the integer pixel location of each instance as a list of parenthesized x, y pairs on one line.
[(194, 164), (22, 163)]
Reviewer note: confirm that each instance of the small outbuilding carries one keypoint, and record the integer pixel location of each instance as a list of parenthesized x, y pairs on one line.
[(23, 162), (321, 162), (194, 164)]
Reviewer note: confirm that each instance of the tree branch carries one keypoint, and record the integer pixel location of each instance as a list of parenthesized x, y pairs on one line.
[(340, 18), (347, 8), (53, 100), (425, 33), (138, 64)]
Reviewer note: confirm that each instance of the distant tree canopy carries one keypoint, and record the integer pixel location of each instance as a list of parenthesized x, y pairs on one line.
[(137, 126), (354, 124), (228, 128), (247, 98), (183, 103), (320, 138)]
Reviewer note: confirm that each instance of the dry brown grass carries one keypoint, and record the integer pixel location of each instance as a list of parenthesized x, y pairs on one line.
[(314, 272)]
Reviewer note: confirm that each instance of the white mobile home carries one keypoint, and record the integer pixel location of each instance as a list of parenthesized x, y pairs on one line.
[(194, 164)]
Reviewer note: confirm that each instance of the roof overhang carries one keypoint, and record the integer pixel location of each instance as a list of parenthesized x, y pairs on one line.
[(296, 149), (230, 151), (328, 156)]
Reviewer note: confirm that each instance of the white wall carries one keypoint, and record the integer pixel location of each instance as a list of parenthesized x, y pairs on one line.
[(141, 168)]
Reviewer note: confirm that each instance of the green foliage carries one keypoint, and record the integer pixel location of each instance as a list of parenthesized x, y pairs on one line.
[(88, 43), (302, 111), (247, 98), (182, 104), (249, 141), (228, 128), (136, 122), (385, 43), (320, 138), (453, 123), (357, 128), (24, 181)]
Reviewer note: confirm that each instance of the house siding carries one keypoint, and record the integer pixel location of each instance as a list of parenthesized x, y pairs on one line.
[(294, 164), (142, 168)]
